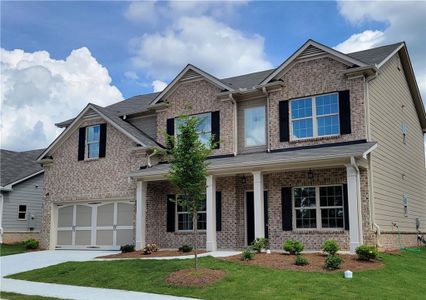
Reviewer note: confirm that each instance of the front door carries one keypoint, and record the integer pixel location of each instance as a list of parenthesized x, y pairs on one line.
[(250, 216)]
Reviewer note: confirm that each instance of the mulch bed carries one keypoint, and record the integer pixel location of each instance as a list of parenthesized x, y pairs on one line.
[(316, 262), (192, 278), (161, 253)]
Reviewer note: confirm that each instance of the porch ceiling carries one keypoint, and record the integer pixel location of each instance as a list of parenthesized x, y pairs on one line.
[(313, 157)]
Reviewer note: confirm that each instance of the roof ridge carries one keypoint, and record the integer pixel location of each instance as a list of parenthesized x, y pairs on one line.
[(245, 74)]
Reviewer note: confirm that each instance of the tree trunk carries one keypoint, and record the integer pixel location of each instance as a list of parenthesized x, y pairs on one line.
[(194, 226)]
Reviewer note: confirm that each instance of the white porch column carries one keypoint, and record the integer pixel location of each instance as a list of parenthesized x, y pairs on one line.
[(355, 232), (141, 190), (211, 244), (259, 205)]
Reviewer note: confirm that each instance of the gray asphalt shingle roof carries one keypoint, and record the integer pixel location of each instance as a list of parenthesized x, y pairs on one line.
[(374, 56), (288, 156), (247, 81), (17, 165)]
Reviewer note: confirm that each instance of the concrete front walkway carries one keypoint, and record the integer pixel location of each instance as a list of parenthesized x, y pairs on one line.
[(17, 263)]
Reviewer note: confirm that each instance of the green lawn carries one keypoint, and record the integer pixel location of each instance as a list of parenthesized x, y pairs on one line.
[(404, 277), (9, 249), (14, 296)]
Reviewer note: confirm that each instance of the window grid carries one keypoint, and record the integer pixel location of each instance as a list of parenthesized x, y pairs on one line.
[(315, 117), (22, 212), (184, 219), (320, 213)]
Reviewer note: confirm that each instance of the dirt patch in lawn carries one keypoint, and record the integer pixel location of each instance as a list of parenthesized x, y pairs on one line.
[(190, 277), (161, 253), (316, 262)]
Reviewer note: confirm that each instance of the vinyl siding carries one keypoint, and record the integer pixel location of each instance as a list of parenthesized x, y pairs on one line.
[(392, 158), (24, 193), (240, 125), (147, 124)]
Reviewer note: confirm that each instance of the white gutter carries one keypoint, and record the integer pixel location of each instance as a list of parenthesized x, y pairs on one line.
[(358, 187)]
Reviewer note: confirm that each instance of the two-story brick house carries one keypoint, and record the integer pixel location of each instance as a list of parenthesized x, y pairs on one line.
[(325, 146)]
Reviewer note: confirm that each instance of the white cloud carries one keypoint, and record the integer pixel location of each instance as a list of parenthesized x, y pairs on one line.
[(202, 41), (131, 75), (158, 85), (141, 12), (361, 41), (37, 91), (405, 21)]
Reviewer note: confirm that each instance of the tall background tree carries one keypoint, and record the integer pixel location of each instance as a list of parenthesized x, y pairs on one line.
[(188, 170)]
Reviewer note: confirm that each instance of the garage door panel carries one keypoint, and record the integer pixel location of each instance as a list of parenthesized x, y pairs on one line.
[(65, 216), (125, 214), (64, 238), (104, 237), (105, 215), (83, 215), (83, 237), (124, 236)]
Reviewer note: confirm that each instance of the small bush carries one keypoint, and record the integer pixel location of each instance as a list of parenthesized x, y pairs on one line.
[(150, 248), (127, 248), (366, 252), (331, 247), (185, 248), (259, 244), (293, 247), (31, 244), (301, 261), (247, 254), (333, 262)]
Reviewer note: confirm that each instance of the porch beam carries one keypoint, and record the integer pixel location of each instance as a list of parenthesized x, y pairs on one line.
[(354, 193), (259, 206), (211, 243), (141, 191)]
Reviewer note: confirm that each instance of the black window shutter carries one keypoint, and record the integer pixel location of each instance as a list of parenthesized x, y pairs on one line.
[(266, 213), (344, 112), (216, 128), (284, 126), (170, 132), (345, 206), (171, 213), (81, 142), (218, 211), (286, 209), (102, 140)]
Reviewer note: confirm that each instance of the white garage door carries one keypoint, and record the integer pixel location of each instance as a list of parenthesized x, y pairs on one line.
[(95, 225)]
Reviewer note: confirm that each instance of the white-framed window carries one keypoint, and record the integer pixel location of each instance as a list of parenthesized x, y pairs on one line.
[(184, 218), (22, 212), (317, 207), (314, 116), (254, 126), (204, 128), (93, 141)]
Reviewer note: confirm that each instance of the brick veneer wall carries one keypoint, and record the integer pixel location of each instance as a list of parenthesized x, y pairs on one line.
[(194, 98), (68, 180), (315, 77)]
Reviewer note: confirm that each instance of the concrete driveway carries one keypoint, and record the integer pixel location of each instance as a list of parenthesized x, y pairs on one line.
[(17, 263)]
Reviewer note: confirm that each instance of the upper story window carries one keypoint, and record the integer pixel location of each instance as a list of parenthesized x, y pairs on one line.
[(184, 218), (22, 212), (254, 126), (204, 128), (92, 141), (318, 207), (315, 116)]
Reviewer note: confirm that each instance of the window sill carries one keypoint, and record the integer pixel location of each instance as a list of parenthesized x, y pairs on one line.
[(317, 230), (91, 159), (187, 232), (315, 139)]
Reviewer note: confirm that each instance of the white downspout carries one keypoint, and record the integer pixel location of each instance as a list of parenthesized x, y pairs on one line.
[(235, 144), (267, 118), (358, 187), (1, 218)]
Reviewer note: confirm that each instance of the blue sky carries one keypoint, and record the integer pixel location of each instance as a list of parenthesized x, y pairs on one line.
[(124, 49)]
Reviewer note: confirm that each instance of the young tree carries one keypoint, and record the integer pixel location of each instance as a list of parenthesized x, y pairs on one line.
[(188, 170)]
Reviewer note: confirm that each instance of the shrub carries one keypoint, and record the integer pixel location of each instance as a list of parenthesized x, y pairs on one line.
[(247, 254), (31, 244), (301, 261), (330, 246), (259, 244), (293, 247), (127, 248), (366, 252), (185, 248), (150, 248), (333, 262)]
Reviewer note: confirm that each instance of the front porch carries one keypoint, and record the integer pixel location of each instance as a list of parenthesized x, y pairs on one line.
[(243, 203)]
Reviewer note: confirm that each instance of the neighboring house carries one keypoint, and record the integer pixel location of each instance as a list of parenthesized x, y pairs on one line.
[(21, 195), (325, 146)]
